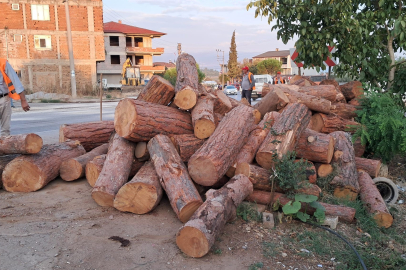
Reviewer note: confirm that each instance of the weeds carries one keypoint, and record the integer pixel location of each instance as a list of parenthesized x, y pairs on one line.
[(51, 101), (256, 266), (247, 212), (270, 249)]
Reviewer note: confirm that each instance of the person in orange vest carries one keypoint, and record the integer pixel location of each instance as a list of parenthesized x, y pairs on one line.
[(279, 79), (10, 87), (247, 84)]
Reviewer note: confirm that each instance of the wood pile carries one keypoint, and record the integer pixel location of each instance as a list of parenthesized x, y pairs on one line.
[(184, 139)]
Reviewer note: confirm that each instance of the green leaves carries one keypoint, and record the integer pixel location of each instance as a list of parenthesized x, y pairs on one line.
[(305, 198), (291, 208)]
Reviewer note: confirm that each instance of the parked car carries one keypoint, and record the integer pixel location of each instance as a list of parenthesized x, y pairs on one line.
[(237, 85), (230, 90), (259, 82)]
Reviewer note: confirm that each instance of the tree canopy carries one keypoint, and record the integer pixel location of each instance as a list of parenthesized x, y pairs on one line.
[(232, 66), (269, 66)]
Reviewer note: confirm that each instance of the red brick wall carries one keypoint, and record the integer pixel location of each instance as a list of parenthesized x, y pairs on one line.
[(43, 54), (40, 25), (13, 19), (99, 44), (78, 18), (81, 47), (98, 19), (16, 49)]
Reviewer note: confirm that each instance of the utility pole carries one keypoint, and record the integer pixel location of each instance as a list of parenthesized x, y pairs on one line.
[(221, 59), (70, 47), (179, 48)]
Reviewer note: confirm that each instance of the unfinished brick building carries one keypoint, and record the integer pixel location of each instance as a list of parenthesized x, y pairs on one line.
[(33, 36)]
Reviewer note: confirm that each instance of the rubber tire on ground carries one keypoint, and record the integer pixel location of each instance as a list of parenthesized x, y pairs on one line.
[(388, 189)]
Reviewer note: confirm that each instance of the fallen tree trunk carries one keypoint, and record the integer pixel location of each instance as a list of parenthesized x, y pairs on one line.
[(339, 96), (344, 110), (20, 144), (174, 177), (373, 200), (274, 101), (352, 90), (140, 121), (187, 82), (198, 235), (284, 134), (344, 213), (141, 151), (29, 173), (90, 134), (4, 160), (158, 90), (186, 145), (315, 146), (116, 171), (370, 166), (203, 118), (142, 194), (74, 168), (327, 92), (329, 123), (219, 152), (222, 103)]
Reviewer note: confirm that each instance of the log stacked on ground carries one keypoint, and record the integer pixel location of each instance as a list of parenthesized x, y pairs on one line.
[(274, 101), (352, 90), (327, 92), (359, 149), (203, 118), (29, 173), (158, 90), (329, 123), (323, 170), (198, 235), (186, 145), (315, 146), (142, 194), (90, 134), (140, 121), (20, 144), (222, 104), (219, 152), (370, 166), (344, 110), (174, 177), (116, 171), (339, 96), (4, 160), (141, 151)]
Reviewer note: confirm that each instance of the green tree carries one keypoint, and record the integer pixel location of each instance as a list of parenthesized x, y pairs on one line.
[(232, 66), (365, 33), (171, 74), (269, 66)]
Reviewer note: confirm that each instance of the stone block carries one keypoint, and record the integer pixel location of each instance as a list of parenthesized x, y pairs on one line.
[(268, 220)]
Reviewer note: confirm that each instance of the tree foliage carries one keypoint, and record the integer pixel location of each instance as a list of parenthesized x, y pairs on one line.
[(269, 66), (232, 66), (171, 75)]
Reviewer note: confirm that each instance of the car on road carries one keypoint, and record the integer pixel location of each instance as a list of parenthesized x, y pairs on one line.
[(237, 85), (260, 80), (230, 90)]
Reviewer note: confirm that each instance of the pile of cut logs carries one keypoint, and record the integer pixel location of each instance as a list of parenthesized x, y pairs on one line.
[(207, 152)]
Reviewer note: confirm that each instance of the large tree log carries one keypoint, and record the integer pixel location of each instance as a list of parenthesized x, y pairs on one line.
[(339, 96), (74, 168), (323, 170), (187, 82), (29, 173), (198, 235), (20, 144), (186, 145), (140, 121), (274, 101), (142, 194), (315, 146), (262, 180), (311, 174), (346, 182), (301, 81), (158, 90), (116, 171), (174, 177), (329, 123), (359, 149), (219, 152), (203, 118), (322, 91), (222, 103), (344, 110), (284, 134), (352, 90), (90, 134), (344, 213), (370, 166), (141, 151), (373, 200), (4, 160), (354, 102)]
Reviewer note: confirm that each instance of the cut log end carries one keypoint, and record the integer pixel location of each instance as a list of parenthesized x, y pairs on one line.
[(243, 168), (71, 170), (103, 198), (22, 177), (383, 219), (185, 99), (204, 128), (316, 122), (137, 198), (92, 173), (257, 117), (324, 170), (188, 210), (345, 193), (33, 143), (204, 172), (192, 242), (265, 159), (141, 151), (126, 115)]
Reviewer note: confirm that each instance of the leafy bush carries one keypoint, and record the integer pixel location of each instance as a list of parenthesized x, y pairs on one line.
[(171, 74), (292, 208)]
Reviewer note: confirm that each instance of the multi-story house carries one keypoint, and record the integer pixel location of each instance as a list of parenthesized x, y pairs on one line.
[(124, 41), (282, 56), (33, 37)]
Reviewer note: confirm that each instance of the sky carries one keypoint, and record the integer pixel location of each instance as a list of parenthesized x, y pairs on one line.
[(201, 26)]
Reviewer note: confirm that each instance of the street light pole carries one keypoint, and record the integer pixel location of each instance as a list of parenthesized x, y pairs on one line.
[(221, 58), (70, 48)]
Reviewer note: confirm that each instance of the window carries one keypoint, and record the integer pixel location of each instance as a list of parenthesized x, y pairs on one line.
[(40, 12), (18, 38), (42, 42), (15, 6), (128, 42), (138, 42), (115, 59), (114, 41)]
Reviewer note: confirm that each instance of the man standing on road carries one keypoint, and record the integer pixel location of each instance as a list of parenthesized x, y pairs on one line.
[(247, 84), (10, 87), (279, 79)]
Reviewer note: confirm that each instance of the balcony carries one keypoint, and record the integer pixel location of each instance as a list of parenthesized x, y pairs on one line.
[(144, 51), (153, 69), (286, 66)]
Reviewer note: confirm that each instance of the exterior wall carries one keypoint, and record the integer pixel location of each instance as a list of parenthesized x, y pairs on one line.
[(48, 68)]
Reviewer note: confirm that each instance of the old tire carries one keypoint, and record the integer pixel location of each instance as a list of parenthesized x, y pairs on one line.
[(387, 189)]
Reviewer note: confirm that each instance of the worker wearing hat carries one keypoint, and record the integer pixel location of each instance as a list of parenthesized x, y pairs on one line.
[(279, 79), (247, 84)]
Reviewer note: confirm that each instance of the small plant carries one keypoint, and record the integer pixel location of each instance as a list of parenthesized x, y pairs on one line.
[(108, 96), (247, 212), (256, 266), (218, 251), (50, 101), (270, 249), (292, 208)]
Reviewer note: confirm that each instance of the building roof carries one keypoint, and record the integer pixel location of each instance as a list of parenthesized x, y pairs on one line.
[(273, 54), (113, 27), (168, 65)]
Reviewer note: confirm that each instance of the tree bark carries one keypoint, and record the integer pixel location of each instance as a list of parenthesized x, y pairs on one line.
[(354, 102), (344, 110), (116, 171), (187, 82), (222, 103), (174, 177), (20, 144), (140, 121), (311, 174), (32, 172), (220, 151), (359, 149), (346, 182), (344, 213), (301, 81), (314, 146), (4, 160), (339, 96), (329, 123), (186, 145), (284, 134), (158, 90), (352, 90), (370, 166), (203, 118), (327, 92), (142, 194), (198, 235), (274, 101), (323, 170), (90, 134), (141, 151), (373, 200), (74, 168)]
